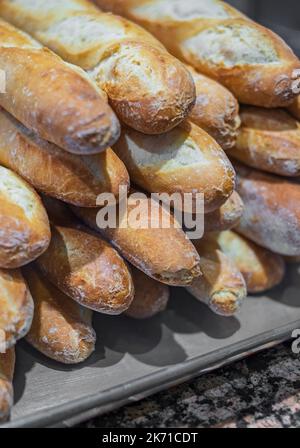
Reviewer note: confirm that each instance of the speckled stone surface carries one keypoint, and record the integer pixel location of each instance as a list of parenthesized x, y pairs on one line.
[(262, 391)]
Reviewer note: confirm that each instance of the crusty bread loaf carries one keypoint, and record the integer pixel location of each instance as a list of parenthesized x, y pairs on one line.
[(226, 217), (269, 140), (61, 328), (150, 298), (272, 213), (75, 179), (7, 367), (88, 270), (16, 306), (261, 268), (85, 267), (217, 40), (52, 98), (148, 88), (184, 160), (294, 108), (25, 231), (216, 110), (222, 286), (165, 254)]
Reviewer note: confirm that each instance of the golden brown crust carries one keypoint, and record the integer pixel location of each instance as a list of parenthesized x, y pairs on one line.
[(150, 90), (16, 306), (294, 108), (87, 269), (151, 297), (222, 286), (154, 107), (164, 254), (61, 329), (272, 214), (184, 160), (226, 217), (7, 367), (216, 110), (77, 180), (261, 268), (250, 60), (25, 231), (269, 140), (53, 99)]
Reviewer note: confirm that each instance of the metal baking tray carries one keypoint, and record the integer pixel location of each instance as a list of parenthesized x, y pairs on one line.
[(134, 359)]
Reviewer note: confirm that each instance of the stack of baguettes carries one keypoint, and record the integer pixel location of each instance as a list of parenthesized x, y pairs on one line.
[(176, 93)]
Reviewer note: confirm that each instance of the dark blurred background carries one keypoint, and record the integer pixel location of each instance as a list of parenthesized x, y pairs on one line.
[(282, 16)]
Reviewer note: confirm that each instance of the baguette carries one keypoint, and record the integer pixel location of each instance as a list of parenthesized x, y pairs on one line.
[(165, 254), (61, 328), (25, 231), (16, 306), (226, 217), (149, 89), (216, 110), (86, 268), (7, 367), (272, 213), (184, 160), (261, 268), (77, 180), (269, 140), (222, 286), (52, 98), (217, 40), (294, 108), (151, 297)]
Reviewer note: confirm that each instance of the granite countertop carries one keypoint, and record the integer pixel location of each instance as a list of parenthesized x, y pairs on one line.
[(262, 391)]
